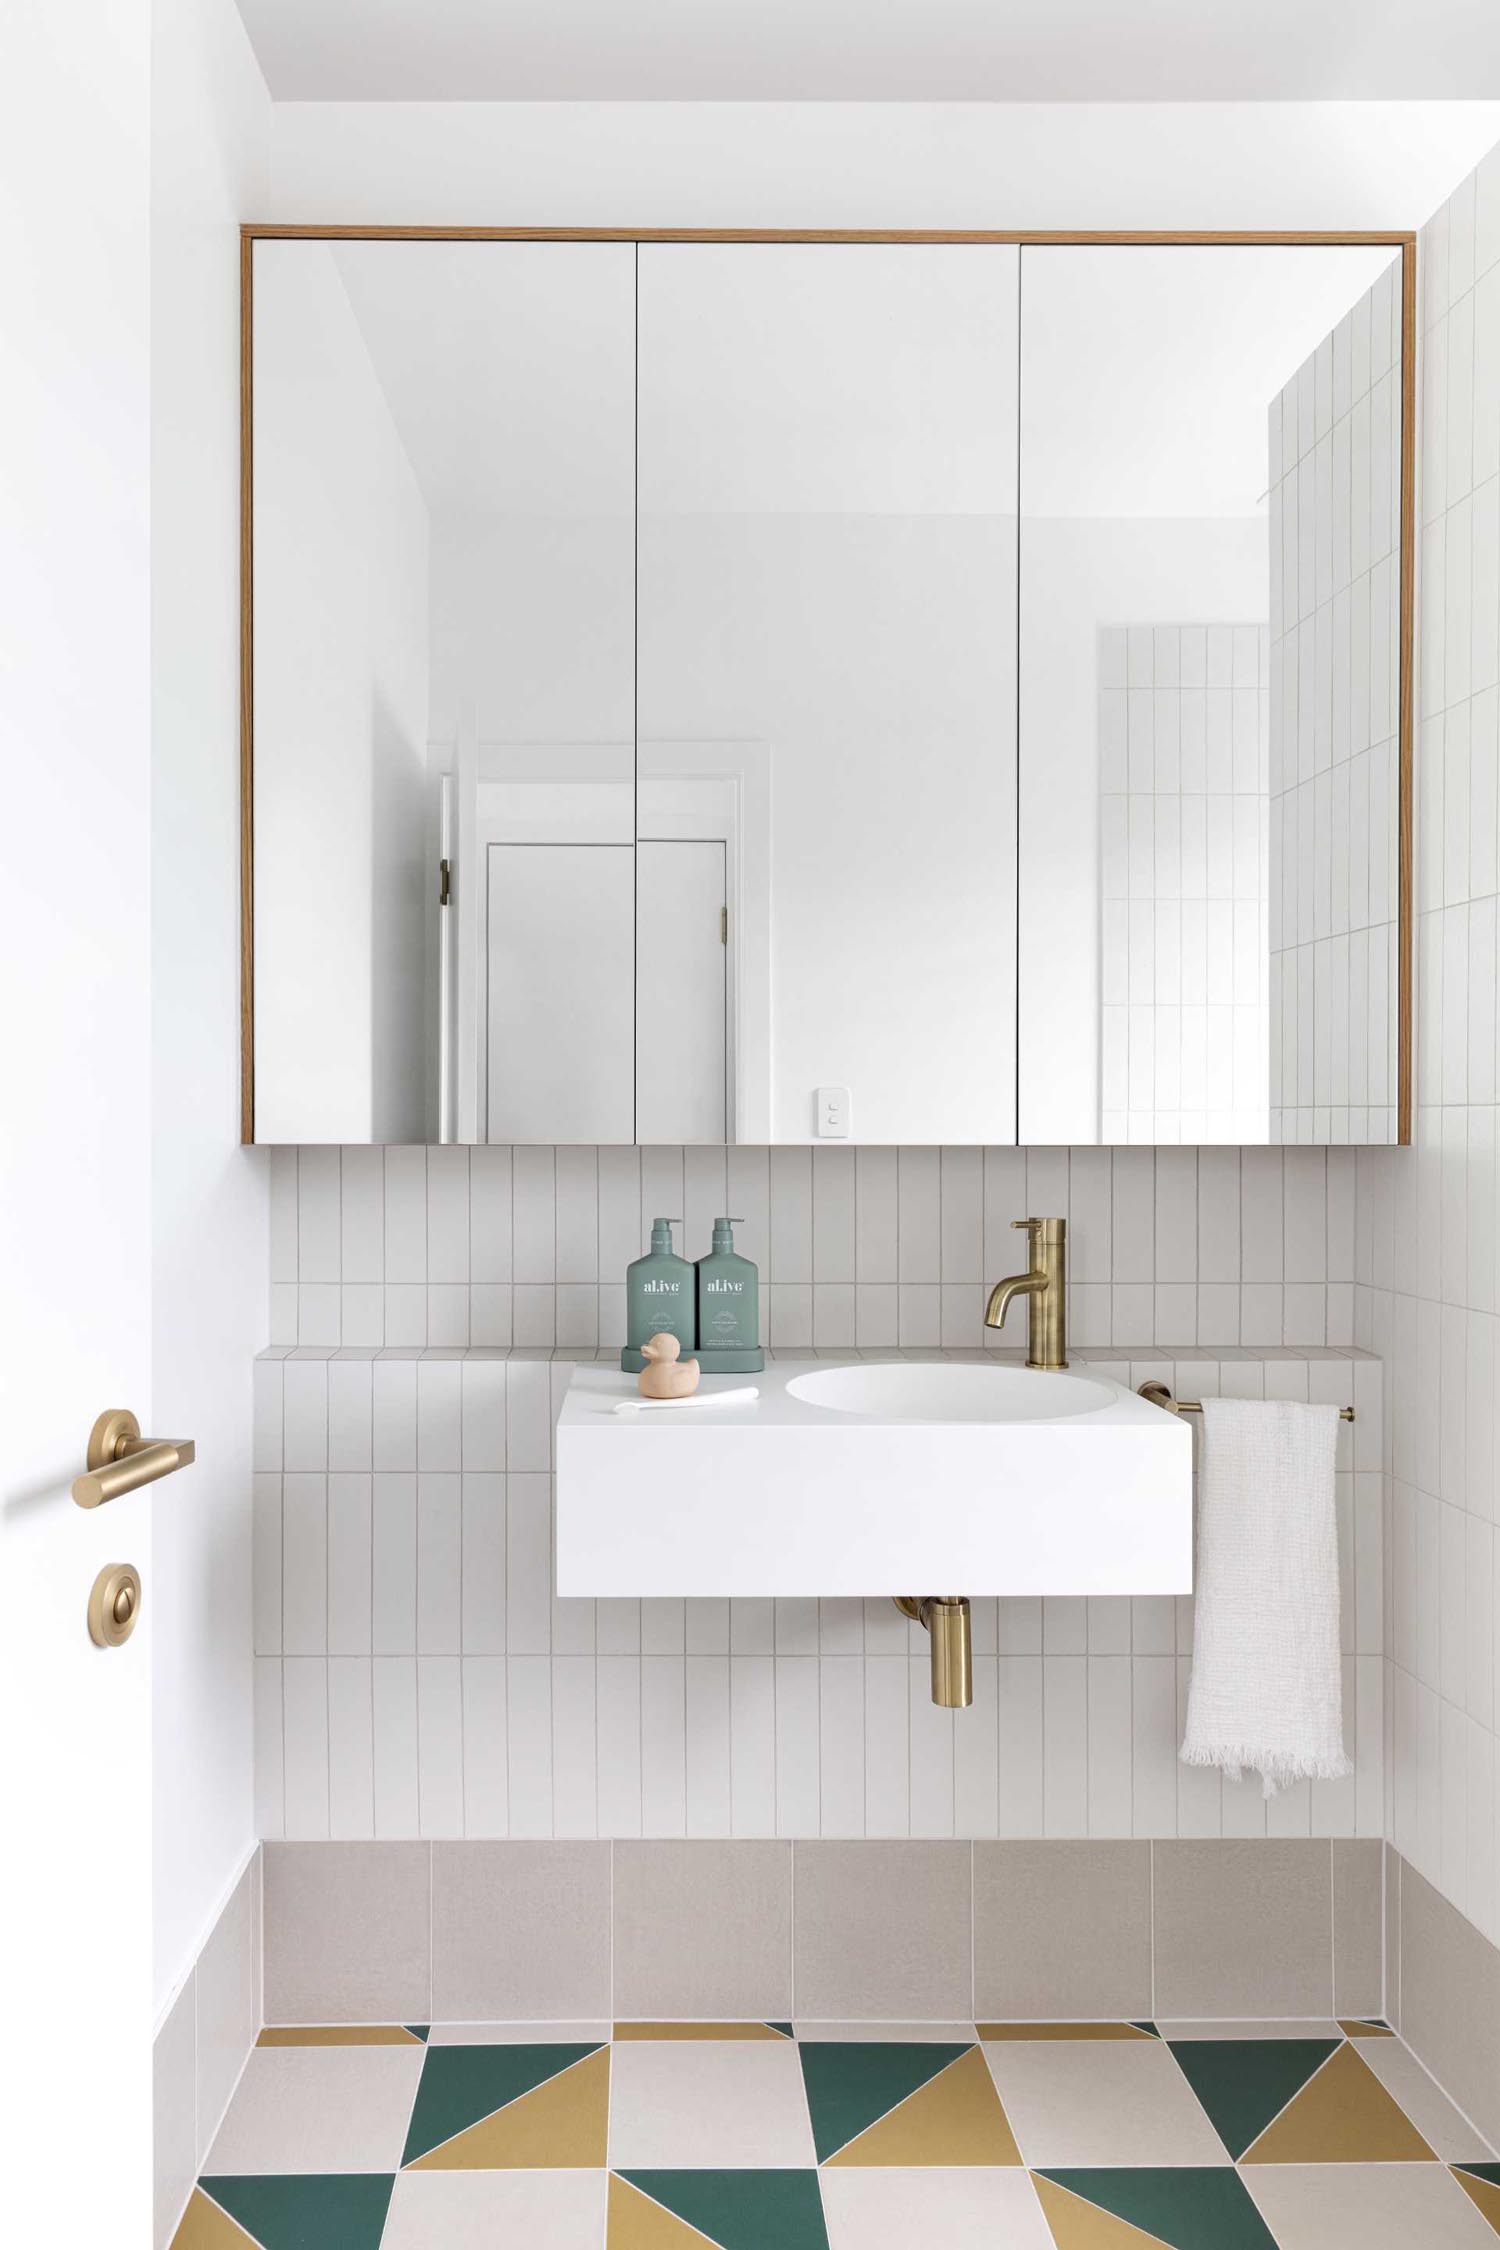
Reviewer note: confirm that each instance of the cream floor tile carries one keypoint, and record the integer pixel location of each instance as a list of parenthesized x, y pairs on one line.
[(1366, 2207), (696, 2104), (1100, 2103), (514, 2034), (868, 2033), (318, 2109), (966, 2209), (1446, 2131), (479, 2210), (1259, 2027)]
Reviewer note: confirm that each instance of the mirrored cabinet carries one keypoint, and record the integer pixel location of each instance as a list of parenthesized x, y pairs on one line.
[(886, 689)]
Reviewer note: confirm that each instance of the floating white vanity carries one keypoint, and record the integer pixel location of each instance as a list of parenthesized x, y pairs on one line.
[(875, 1478)]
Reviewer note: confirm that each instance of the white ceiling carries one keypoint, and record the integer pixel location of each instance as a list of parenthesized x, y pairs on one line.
[(876, 50)]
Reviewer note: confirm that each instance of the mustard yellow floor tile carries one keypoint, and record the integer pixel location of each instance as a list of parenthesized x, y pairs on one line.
[(1343, 2115), (669, 2030), (560, 2124), (337, 2035), (1077, 2225), (636, 2223), (1065, 2031), (1482, 2186), (956, 2118), (1355, 2027), (205, 2227)]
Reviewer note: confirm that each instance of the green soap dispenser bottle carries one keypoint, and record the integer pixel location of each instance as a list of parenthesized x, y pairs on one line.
[(658, 1298), (728, 1308)]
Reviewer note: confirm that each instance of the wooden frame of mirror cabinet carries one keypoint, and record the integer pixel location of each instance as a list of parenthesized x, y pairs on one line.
[(1404, 242)]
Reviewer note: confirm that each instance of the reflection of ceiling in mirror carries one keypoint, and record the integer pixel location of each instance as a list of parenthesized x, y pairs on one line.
[(508, 370), (1147, 373)]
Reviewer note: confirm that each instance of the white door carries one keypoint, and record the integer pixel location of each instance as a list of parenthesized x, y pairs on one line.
[(682, 945), (560, 1024), (75, 1252)]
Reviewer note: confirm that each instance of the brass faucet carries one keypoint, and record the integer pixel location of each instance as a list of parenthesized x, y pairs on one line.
[(1047, 1286)]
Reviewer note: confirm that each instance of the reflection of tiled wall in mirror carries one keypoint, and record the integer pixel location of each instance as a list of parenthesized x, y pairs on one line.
[(1335, 453), (1183, 749)]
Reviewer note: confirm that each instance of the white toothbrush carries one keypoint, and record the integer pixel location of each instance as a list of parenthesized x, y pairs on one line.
[(699, 1398)]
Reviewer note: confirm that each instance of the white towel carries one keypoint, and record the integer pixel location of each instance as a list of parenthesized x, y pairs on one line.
[(1267, 1685)]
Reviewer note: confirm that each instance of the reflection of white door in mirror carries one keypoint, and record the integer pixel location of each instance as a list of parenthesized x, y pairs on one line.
[(559, 957), (682, 1045)]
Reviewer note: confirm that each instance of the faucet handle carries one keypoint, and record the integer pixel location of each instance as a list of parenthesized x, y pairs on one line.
[(1033, 1223)]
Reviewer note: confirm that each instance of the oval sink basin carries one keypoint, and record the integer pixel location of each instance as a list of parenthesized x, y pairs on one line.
[(900, 1391)]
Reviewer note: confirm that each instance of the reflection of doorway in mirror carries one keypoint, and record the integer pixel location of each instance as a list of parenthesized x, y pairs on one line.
[(1183, 748)]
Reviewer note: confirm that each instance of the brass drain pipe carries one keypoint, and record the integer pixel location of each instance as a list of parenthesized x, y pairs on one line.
[(946, 1618)]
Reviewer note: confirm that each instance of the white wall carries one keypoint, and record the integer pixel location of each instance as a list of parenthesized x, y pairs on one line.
[(814, 164), (210, 135), (341, 536)]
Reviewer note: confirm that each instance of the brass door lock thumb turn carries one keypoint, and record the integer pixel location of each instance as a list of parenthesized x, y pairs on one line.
[(114, 1604)]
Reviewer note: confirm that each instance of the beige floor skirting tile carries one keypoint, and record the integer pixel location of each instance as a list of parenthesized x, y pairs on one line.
[(703, 1929), (1062, 1929), (883, 1930)]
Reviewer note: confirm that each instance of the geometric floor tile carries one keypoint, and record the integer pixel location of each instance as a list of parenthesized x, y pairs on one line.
[(721, 2105), (851, 2084), (1365, 2027), (342, 2035), (318, 2109), (1367, 2207), (955, 2118), (1067, 2031), (972, 2209), (1186, 2207), (1101, 2105), (814, 2033), (518, 2034), (340, 2211), (1445, 2129), (203, 2226), (760, 2210), (1244, 2083), (478, 2210), (1219, 2027), (636, 2223), (1343, 2115), (510, 2108), (703, 2031), (1481, 2184)]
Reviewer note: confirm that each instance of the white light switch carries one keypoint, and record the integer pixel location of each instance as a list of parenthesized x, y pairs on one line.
[(833, 1113)]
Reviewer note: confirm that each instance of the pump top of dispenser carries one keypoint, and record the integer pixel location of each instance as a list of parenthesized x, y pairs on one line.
[(724, 1233), (661, 1233)]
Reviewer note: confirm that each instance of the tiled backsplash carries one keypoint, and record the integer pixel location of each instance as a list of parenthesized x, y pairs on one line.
[(857, 1247), (1429, 1260), (417, 1677)]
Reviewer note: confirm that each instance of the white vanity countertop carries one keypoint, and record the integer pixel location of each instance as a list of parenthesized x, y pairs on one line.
[(779, 1495)]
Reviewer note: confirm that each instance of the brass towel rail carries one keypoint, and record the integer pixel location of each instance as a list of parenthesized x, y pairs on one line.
[(1159, 1395)]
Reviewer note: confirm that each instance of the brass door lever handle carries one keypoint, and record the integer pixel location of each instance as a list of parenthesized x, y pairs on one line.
[(119, 1458)]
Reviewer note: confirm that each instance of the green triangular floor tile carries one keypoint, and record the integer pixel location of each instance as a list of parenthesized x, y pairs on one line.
[(851, 2083), (418, 2030), (459, 2085), (742, 2210), (1244, 2083), (784, 2028), (1490, 2172), (323, 2211), (1149, 2028), (1187, 2207)]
